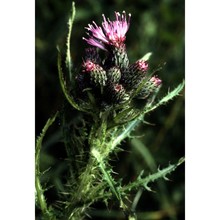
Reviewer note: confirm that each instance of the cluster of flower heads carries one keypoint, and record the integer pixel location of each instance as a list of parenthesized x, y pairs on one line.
[(112, 80)]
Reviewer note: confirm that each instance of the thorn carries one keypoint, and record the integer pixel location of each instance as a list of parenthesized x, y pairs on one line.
[(148, 123), (167, 179), (42, 173), (114, 172), (181, 160), (141, 174), (159, 168), (149, 189)]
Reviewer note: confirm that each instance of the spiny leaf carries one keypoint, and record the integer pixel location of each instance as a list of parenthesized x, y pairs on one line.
[(68, 56), (130, 126), (167, 98), (40, 139), (143, 182), (108, 177), (47, 212), (173, 93), (122, 115), (64, 87)]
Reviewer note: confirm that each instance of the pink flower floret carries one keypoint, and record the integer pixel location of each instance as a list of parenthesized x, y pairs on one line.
[(88, 66), (142, 65), (156, 81)]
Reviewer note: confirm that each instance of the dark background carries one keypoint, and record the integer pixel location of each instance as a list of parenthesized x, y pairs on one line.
[(157, 27)]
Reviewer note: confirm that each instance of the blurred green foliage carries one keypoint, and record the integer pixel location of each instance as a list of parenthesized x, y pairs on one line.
[(157, 27)]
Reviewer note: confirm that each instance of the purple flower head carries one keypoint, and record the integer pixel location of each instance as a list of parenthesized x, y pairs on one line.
[(111, 32), (156, 81), (88, 66), (142, 65), (118, 87)]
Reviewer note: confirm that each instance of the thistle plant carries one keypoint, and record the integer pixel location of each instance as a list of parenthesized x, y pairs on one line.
[(106, 98)]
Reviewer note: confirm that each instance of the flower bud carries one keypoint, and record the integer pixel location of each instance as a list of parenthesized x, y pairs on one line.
[(140, 67), (114, 74), (120, 57), (150, 87), (97, 74), (134, 74), (116, 94), (155, 81), (119, 95)]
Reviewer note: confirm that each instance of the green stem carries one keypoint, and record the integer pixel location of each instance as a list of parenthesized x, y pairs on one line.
[(107, 176), (81, 198)]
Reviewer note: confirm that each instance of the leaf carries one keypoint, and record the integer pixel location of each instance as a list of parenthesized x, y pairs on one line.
[(64, 87), (40, 139), (143, 182), (126, 131), (166, 98), (70, 26), (39, 190), (146, 56), (108, 177)]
